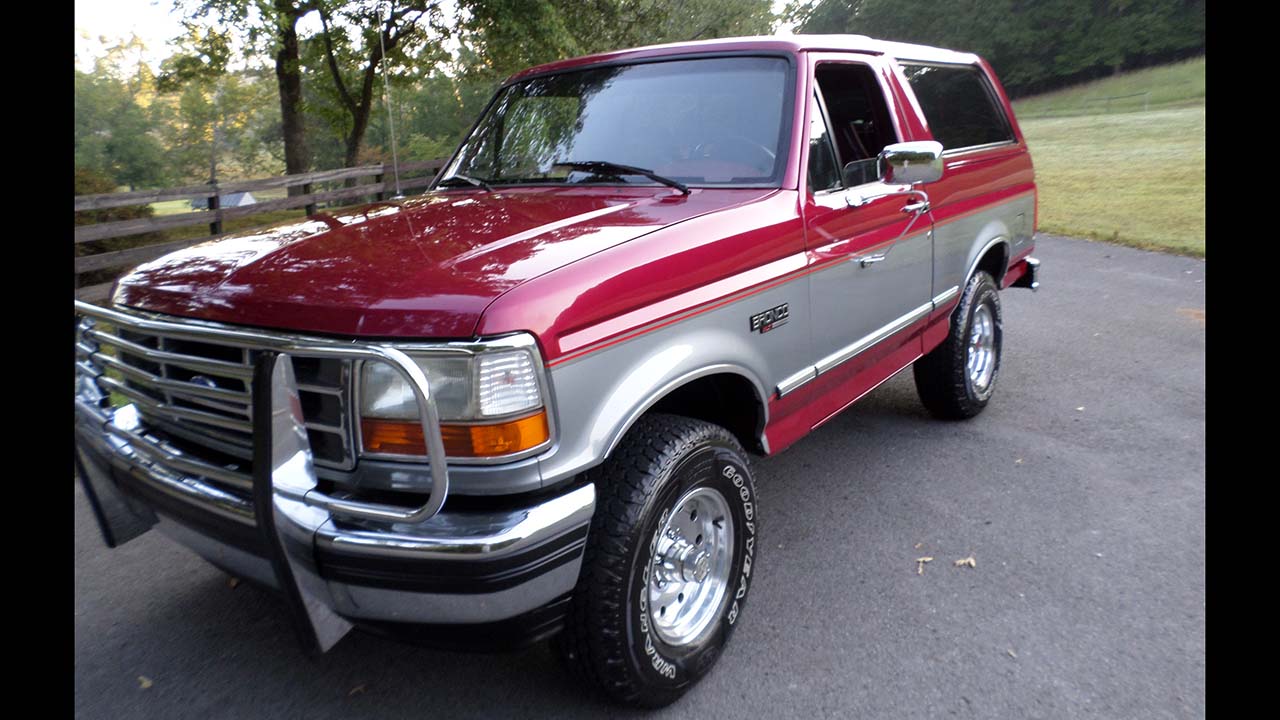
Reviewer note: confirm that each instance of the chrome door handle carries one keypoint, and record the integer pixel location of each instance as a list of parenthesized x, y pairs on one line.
[(869, 260), (917, 207)]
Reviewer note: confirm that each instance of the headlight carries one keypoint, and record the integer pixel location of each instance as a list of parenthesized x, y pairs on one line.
[(490, 404)]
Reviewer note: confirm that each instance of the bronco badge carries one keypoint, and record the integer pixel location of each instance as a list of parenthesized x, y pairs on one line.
[(769, 319)]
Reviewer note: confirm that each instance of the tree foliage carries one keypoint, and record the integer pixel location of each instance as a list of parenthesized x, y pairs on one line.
[(113, 135), (359, 43), (1032, 44), (262, 86), (507, 35)]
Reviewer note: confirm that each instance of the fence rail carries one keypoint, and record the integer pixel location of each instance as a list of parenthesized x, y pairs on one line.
[(1084, 106), (378, 189)]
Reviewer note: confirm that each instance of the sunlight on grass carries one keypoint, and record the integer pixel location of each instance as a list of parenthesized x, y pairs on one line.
[(1132, 178)]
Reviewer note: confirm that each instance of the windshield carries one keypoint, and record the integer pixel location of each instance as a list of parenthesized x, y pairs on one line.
[(712, 121)]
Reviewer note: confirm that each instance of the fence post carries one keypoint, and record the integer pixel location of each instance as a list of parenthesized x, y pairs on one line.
[(215, 203), (311, 207), (381, 195)]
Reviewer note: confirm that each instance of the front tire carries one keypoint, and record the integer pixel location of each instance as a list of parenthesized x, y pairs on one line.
[(668, 561), (956, 379)]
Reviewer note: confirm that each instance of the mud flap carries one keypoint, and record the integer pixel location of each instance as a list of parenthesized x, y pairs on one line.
[(119, 520), (283, 473)]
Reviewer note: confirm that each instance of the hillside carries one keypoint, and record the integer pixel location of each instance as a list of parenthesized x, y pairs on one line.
[(1166, 86)]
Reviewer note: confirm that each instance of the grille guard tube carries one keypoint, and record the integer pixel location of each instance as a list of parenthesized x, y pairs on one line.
[(412, 374), (283, 476)]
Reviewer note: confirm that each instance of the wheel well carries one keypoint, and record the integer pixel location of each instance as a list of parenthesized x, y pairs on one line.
[(726, 399), (995, 262)]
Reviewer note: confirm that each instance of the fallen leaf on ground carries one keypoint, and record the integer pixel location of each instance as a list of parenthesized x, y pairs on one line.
[(144, 682), (920, 564), (356, 690), (967, 561), (918, 545), (1018, 461), (1012, 654), (1192, 314), (1081, 408)]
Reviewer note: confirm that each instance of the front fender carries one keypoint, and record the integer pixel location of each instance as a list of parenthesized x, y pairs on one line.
[(601, 395)]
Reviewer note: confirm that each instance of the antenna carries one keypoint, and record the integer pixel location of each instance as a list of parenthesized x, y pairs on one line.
[(386, 100)]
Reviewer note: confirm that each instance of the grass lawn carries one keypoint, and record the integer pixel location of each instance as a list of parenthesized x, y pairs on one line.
[(1132, 178), (1127, 176)]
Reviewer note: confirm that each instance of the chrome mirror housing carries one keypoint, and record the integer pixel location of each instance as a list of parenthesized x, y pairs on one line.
[(911, 163)]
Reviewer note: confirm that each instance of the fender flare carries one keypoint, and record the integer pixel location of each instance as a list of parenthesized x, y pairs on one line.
[(681, 380), (1000, 239)]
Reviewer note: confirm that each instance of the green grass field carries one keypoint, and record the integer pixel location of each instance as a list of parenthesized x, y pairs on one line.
[(1133, 178)]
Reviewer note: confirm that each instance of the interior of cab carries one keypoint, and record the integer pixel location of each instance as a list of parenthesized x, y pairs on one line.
[(859, 119)]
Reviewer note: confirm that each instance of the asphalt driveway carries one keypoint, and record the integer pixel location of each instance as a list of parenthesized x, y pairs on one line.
[(1079, 493)]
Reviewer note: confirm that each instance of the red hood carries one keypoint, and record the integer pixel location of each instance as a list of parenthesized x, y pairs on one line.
[(422, 267)]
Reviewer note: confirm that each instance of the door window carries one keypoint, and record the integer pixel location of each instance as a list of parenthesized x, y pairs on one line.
[(860, 121)]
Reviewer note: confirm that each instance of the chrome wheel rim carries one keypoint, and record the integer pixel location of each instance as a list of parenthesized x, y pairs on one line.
[(691, 564), (981, 362)]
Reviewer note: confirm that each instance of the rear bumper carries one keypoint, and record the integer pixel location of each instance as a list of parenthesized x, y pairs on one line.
[(1028, 274), (457, 568)]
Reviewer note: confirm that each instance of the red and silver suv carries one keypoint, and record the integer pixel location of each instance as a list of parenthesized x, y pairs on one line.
[(522, 404)]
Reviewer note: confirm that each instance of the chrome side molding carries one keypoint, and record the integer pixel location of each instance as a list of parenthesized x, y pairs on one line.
[(792, 382), (945, 296)]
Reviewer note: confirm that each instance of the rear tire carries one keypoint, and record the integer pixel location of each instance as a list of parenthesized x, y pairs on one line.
[(667, 564), (956, 379)]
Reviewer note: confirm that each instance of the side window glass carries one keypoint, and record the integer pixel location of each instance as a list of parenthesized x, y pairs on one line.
[(959, 105), (860, 123), (824, 172)]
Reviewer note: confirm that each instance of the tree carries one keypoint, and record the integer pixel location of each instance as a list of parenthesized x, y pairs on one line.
[(404, 27), (112, 133), (218, 124), (269, 26), (508, 35)]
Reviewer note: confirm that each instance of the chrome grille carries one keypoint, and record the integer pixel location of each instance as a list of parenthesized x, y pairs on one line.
[(197, 394)]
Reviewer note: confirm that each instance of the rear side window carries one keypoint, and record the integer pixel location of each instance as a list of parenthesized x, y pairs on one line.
[(959, 105)]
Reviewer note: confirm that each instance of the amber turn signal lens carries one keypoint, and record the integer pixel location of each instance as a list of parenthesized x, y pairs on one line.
[(399, 437)]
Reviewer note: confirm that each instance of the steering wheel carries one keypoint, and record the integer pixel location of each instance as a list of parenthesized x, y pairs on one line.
[(718, 149)]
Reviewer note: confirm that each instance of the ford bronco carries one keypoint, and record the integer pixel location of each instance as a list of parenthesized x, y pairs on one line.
[(522, 404)]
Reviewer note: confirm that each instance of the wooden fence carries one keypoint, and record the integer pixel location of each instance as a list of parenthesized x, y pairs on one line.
[(412, 177)]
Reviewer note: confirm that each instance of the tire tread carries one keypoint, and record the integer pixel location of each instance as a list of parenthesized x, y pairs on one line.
[(591, 645)]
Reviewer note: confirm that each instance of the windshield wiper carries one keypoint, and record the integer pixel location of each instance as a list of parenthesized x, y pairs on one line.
[(474, 181), (613, 168)]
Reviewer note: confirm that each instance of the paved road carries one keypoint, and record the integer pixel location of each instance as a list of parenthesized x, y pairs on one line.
[(1079, 492)]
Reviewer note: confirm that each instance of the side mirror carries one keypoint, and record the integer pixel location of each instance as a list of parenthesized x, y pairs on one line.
[(910, 163)]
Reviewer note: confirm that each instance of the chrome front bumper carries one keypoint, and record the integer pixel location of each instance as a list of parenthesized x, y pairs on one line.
[(336, 560)]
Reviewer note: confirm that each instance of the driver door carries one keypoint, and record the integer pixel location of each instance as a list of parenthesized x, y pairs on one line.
[(876, 259)]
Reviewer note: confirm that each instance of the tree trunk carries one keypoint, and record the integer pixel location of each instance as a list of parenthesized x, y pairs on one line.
[(289, 79), (364, 107)]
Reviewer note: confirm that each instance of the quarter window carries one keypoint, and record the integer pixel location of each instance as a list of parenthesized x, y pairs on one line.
[(959, 104), (824, 171)]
